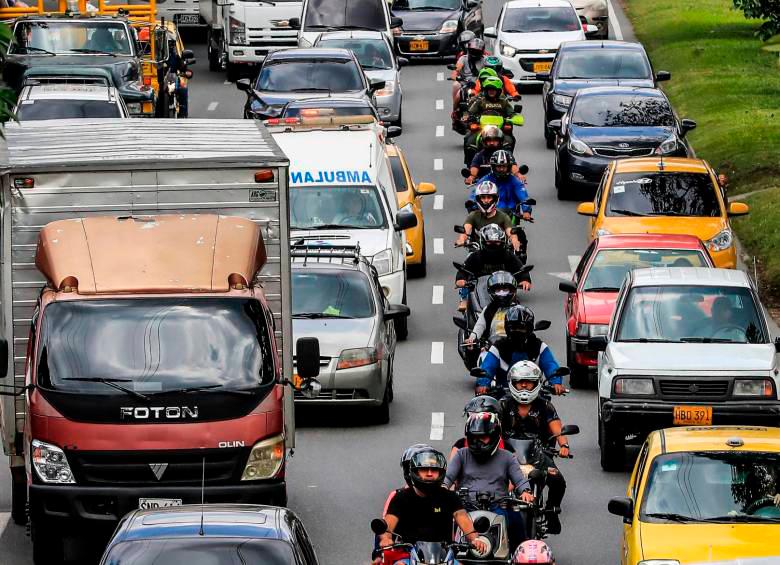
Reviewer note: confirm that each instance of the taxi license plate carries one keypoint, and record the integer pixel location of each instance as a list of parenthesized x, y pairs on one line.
[(692, 415), (188, 19), (151, 503), (297, 381), (418, 45), (542, 67)]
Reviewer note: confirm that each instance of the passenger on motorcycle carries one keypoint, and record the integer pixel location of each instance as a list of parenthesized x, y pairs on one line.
[(525, 414), (467, 68), (486, 197), (490, 101), (492, 140), (483, 467), (495, 64), (511, 190), (425, 511), (492, 257), (477, 405), (520, 344), (502, 288)]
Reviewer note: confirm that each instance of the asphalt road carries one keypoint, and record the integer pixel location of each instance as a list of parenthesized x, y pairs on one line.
[(342, 471)]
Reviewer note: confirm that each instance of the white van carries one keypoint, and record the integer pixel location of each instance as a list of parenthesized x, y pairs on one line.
[(319, 16), (342, 191)]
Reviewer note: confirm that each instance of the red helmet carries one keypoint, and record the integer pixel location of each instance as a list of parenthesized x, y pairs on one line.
[(533, 551)]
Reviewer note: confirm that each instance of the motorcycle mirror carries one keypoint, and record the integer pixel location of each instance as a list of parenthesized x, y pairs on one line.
[(378, 526), (465, 173), (458, 266), (524, 270), (459, 229), (477, 372), (451, 66), (542, 325), (536, 475), (482, 525), (460, 322), (531, 202), (523, 169), (570, 430)]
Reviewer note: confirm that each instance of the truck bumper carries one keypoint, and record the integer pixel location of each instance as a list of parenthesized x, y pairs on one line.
[(72, 507)]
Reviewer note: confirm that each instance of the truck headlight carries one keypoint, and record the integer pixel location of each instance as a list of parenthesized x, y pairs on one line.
[(134, 107), (668, 145), (450, 26), (634, 387), (754, 387), (383, 262), (237, 32), (721, 242), (50, 464), (507, 50), (562, 100), (591, 330), (579, 147), (265, 459), (358, 357)]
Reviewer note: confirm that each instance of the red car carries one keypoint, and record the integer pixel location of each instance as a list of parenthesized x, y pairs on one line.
[(597, 279)]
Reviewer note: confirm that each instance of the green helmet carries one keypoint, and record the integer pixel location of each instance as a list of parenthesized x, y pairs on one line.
[(487, 73), (493, 82), (494, 63)]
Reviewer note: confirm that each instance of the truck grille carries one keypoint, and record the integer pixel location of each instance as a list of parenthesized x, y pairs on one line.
[(689, 389), (183, 468)]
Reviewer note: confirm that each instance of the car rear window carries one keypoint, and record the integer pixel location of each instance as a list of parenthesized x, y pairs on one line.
[(49, 109), (323, 75), (663, 194), (540, 19), (201, 551), (604, 64), (331, 294), (345, 14)]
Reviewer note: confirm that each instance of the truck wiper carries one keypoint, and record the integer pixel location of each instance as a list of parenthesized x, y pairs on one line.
[(707, 340), (672, 517), (647, 340), (112, 383), (318, 315), (92, 51), (339, 226), (202, 388), (36, 49)]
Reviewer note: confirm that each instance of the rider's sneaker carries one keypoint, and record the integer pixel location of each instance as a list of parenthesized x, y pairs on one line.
[(553, 521)]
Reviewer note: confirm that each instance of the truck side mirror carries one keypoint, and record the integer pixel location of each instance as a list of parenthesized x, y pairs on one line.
[(307, 357), (405, 221)]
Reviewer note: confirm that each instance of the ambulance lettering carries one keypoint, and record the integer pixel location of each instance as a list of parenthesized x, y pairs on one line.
[(329, 177)]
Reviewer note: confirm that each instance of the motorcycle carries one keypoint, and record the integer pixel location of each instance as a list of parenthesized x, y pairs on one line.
[(175, 83), (484, 170), (516, 216), (466, 94), (472, 143), (500, 391), (421, 552)]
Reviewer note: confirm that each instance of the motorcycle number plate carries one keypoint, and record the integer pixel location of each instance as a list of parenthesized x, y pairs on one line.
[(692, 416), (418, 45), (188, 19), (542, 67), (151, 503)]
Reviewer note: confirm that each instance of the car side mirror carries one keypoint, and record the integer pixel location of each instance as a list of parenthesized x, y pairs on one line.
[(425, 188), (738, 209), (397, 311), (393, 131), (375, 85), (687, 125), (307, 357), (662, 76), (544, 77), (542, 325), (777, 349), (294, 23), (598, 343), (623, 507), (405, 221), (567, 286), (244, 85), (460, 322), (586, 209), (396, 22), (490, 32), (402, 62), (554, 125)]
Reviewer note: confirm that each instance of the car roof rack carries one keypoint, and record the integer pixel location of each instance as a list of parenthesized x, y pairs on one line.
[(325, 253)]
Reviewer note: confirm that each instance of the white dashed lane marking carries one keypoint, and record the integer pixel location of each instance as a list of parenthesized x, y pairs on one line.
[(438, 164), (437, 353), (213, 106), (437, 426), (438, 246), (438, 202), (440, 104), (439, 131), (438, 294)]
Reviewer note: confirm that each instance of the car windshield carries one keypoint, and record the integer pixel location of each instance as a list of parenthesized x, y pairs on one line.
[(345, 14), (154, 344), (663, 194), (426, 4), (294, 111), (337, 294), (52, 109), (690, 313), (201, 551), (734, 486), (372, 54), (399, 175), (539, 19), (71, 37), (610, 266), (622, 110), (603, 63), (333, 207), (324, 75)]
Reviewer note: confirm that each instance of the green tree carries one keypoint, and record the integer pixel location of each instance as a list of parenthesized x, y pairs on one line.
[(768, 10)]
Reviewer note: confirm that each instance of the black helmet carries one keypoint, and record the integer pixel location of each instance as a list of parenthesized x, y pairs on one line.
[(502, 287), (501, 158), (519, 323), (482, 403), (406, 458), (427, 458), (492, 235), (479, 426), (476, 48), (492, 133)]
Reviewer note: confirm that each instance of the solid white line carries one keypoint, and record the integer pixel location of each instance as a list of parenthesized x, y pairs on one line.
[(438, 202), (437, 426), (437, 352), (614, 23), (440, 76), (440, 104), (438, 246), (438, 164), (439, 131), (212, 106), (574, 260), (438, 294)]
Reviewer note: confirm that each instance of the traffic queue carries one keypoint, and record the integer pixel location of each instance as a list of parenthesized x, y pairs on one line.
[(166, 305)]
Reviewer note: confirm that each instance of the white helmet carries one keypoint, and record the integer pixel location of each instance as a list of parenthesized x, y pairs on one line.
[(524, 371), (486, 188)]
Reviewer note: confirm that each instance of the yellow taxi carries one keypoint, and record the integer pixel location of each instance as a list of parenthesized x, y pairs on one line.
[(409, 197), (665, 195), (701, 495)]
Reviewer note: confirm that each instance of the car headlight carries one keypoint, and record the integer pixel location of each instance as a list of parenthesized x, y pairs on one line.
[(265, 459), (579, 147), (668, 145), (450, 26), (383, 262), (388, 89), (506, 50), (634, 387), (358, 357), (721, 242), (591, 330), (562, 100), (754, 387), (602, 231), (237, 32), (50, 464)]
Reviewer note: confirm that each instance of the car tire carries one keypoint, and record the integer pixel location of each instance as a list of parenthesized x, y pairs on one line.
[(19, 502), (421, 269), (233, 72), (561, 190), (612, 444), (381, 414), (213, 54), (48, 545), (549, 137), (390, 381), (402, 324), (399, 121), (579, 374)]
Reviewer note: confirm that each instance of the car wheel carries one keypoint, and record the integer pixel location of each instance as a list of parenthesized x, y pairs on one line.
[(549, 136), (402, 324), (48, 546), (612, 443), (561, 190), (399, 121), (233, 72), (390, 381), (579, 374), (214, 63), (420, 270), (381, 415), (19, 502)]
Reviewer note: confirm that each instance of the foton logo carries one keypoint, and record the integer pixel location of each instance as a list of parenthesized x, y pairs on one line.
[(158, 412)]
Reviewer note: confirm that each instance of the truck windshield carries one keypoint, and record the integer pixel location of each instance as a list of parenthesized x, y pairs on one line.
[(691, 313), (323, 75), (345, 14), (333, 207), (154, 345), (202, 551), (76, 37), (65, 109)]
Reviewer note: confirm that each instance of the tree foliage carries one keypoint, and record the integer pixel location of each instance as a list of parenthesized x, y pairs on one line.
[(768, 10)]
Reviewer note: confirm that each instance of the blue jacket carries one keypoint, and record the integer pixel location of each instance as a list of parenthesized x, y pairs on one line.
[(511, 191), (501, 356)]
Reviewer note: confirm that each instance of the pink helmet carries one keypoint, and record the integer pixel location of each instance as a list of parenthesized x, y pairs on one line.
[(533, 551)]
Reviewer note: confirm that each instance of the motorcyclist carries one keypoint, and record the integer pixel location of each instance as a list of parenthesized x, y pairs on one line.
[(495, 64), (526, 414), (520, 344), (425, 511), (486, 198), (511, 190), (502, 288), (492, 139), (483, 467), (491, 101), (477, 405), (467, 68), (492, 257)]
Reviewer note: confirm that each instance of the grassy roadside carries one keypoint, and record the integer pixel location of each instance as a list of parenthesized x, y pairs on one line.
[(722, 79)]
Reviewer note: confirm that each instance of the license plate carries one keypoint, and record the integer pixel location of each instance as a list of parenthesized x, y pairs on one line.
[(297, 381), (152, 503), (418, 45), (542, 67), (692, 416), (191, 19)]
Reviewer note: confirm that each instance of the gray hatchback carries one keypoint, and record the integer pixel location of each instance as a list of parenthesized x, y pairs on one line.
[(337, 298)]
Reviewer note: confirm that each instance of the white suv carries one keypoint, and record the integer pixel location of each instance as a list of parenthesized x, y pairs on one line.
[(686, 346)]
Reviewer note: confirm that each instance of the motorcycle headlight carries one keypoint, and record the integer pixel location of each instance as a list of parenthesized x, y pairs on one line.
[(592, 330), (388, 89), (383, 262), (562, 100), (265, 459), (507, 50), (632, 387), (579, 147), (358, 357), (721, 242), (450, 26), (668, 145), (237, 32), (50, 464)]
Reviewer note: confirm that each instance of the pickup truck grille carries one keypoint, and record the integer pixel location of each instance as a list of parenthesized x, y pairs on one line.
[(182, 468), (690, 388)]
